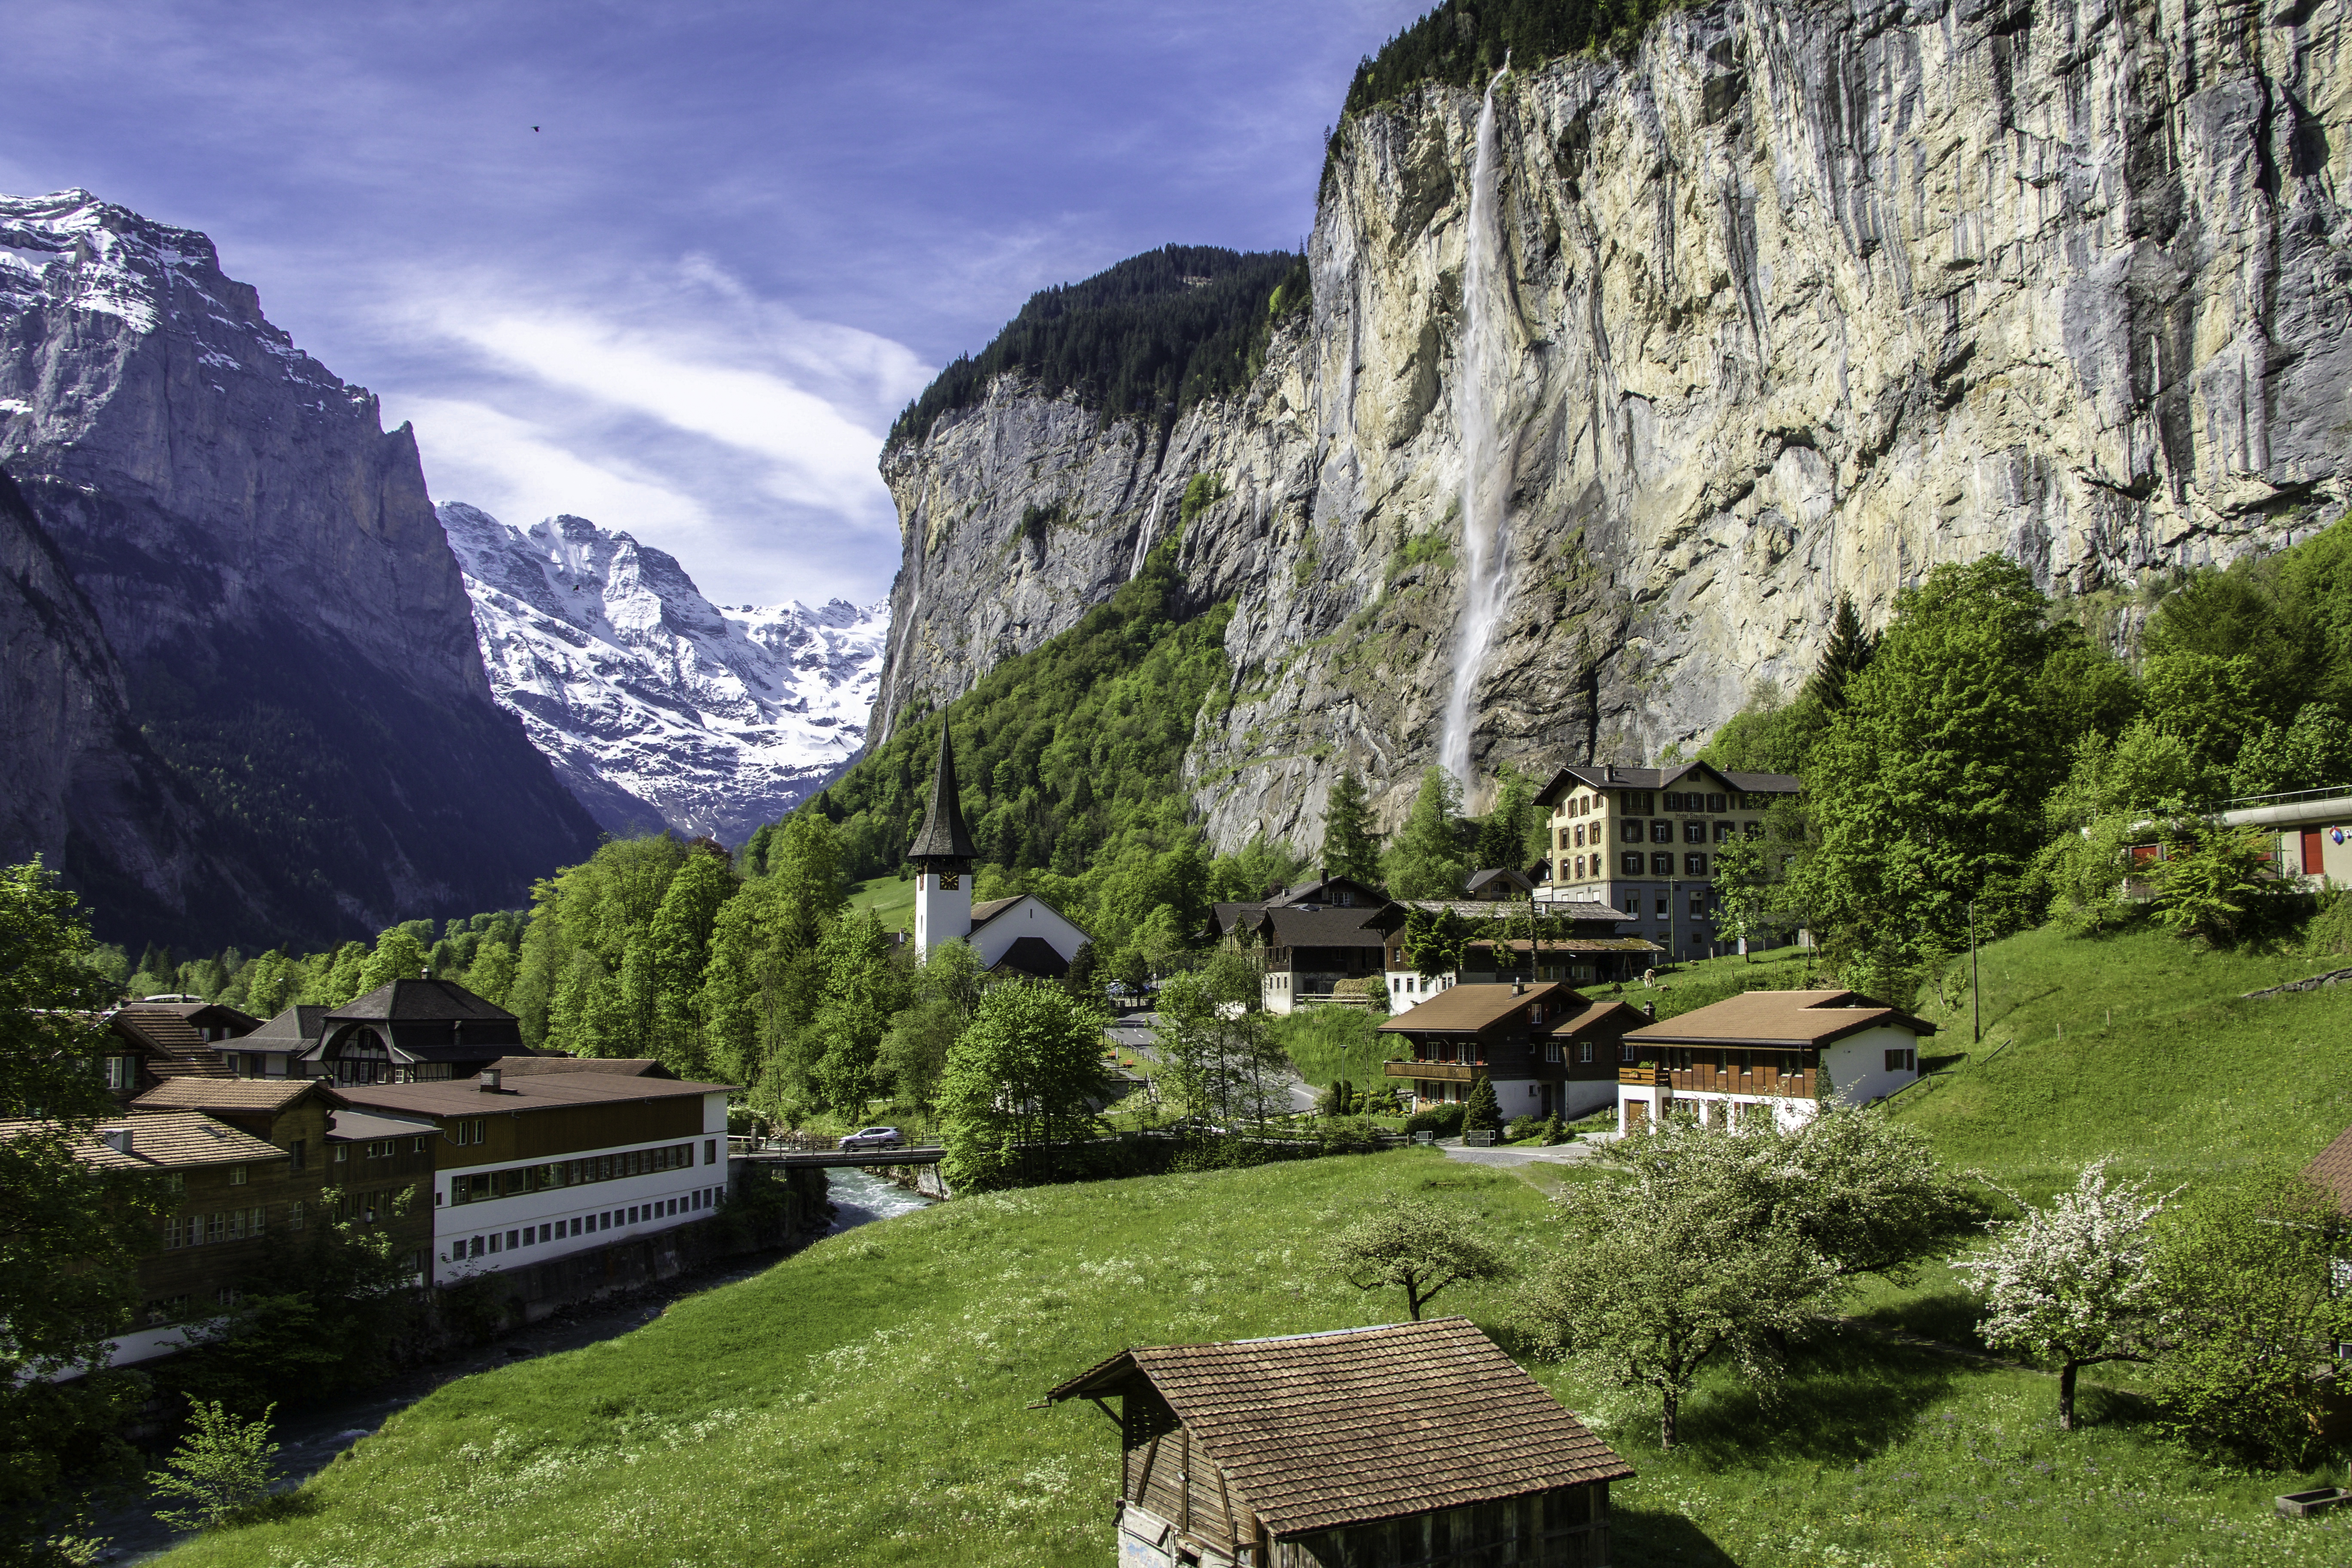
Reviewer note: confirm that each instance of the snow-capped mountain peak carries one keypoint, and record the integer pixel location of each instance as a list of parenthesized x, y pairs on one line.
[(656, 706)]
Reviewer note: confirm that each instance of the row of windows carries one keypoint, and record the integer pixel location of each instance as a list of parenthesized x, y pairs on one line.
[(1657, 831), (487, 1185), (224, 1225), (515, 1240), (1647, 803)]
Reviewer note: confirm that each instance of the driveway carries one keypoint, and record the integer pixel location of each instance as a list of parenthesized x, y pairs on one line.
[(1525, 1154)]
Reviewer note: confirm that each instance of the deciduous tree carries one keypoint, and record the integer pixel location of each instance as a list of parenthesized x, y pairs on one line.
[(2074, 1283), (1415, 1246), (1023, 1073)]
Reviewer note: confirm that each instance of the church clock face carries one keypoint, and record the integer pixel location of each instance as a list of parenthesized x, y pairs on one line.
[(950, 881)]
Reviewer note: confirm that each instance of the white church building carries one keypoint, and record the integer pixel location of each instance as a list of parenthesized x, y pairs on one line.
[(1020, 935)]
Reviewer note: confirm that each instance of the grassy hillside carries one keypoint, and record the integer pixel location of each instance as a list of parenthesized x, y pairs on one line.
[(891, 899), (866, 1401)]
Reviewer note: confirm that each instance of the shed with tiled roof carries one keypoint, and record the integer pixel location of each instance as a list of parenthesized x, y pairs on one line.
[(1403, 1444)]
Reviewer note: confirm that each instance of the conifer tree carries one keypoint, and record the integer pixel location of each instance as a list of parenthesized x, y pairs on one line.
[(1481, 1113), (1851, 649), (1350, 847), (1427, 859)]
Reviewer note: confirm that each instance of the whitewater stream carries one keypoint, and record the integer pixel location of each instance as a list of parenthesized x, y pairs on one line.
[(310, 1437)]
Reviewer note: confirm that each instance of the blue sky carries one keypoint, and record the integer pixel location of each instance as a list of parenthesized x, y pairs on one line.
[(743, 238)]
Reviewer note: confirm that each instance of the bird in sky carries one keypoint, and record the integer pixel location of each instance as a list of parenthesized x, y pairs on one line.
[(534, 128)]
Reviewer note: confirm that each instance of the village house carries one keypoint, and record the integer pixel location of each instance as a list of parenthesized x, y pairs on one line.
[(1503, 1034), (1584, 944), (1315, 938), (1778, 1055), (1401, 1445), (531, 1169), (1023, 936), (406, 1031), (2310, 835), (270, 1050), (150, 1042), (229, 1192), (1644, 840)]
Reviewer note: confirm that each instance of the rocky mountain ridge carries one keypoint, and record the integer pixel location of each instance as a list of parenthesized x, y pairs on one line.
[(288, 630), (1796, 301), (657, 708)]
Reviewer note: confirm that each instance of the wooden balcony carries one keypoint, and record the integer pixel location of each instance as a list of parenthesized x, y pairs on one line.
[(1642, 1077), (1798, 1085), (1436, 1072)]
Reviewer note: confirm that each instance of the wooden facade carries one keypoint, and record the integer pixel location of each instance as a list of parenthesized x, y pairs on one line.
[(1408, 1446), (1511, 1036)]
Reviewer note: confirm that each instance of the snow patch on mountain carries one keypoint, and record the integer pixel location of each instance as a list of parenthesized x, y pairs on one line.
[(658, 708)]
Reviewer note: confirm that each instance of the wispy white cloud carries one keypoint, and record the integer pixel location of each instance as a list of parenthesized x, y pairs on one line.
[(520, 472)]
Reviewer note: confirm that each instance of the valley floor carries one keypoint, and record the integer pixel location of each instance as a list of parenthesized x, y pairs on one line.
[(866, 1401)]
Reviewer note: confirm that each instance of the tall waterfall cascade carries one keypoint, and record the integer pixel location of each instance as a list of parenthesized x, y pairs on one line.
[(1480, 367)]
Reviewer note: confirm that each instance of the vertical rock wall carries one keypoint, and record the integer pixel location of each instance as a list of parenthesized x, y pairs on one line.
[(1803, 299)]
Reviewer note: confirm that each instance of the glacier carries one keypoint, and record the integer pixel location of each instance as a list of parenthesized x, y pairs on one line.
[(657, 708)]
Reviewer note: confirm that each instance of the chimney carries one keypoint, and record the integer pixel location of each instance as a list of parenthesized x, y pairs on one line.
[(1651, 1008), (115, 1138), (490, 1080), (1518, 987)]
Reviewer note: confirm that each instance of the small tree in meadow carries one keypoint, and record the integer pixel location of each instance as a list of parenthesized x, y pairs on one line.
[(1415, 1246), (2074, 1283), (221, 1466)]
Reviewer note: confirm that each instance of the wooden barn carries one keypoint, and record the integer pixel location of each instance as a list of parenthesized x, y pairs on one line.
[(1412, 1445)]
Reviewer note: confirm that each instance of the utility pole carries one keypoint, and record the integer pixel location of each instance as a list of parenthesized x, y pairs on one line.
[(1975, 981)]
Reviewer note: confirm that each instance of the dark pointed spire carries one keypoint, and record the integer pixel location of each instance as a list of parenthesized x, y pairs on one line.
[(945, 843)]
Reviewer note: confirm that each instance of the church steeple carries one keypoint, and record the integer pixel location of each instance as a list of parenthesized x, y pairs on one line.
[(944, 844), (942, 853)]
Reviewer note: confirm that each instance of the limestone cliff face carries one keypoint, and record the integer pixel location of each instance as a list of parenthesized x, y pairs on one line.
[(293, 634), (1798, 300)]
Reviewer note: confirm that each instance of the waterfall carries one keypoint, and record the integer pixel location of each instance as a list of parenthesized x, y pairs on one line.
[(1485, 483)]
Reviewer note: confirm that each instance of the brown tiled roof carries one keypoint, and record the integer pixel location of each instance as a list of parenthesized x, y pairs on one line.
[(543, 1092), (1316, 1432), (295, 1027), (224, 1094), (621, 1067), (175, 1048), (1566, 782), (2331, 1170), (1604, 1018), (168, 1140), (1780, 1018), (984, 913), (1467, 1009)]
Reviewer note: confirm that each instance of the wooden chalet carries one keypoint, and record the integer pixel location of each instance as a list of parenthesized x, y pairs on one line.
[(410, 1031), (269, 1051), (1774, 1054), (149, 1043), (1503, 1034), (1410, 1444), (228, 1195), (2330, 1171)]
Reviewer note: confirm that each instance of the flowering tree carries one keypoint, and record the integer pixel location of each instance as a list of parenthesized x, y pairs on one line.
[(2074, 1283)]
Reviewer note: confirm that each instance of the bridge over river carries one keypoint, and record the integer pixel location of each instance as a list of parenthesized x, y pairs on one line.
[(777, 1154)]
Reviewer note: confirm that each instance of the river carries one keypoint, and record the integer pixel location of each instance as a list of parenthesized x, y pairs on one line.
[(310, 1437)]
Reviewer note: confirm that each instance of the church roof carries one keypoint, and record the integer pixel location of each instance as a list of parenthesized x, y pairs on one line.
[(944, 836)]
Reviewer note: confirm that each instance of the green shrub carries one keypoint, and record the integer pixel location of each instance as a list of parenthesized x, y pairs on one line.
[(1445, 1121), (221, 1467), (1523, 1127)]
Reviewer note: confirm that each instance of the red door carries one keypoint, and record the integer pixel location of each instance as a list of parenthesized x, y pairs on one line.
[(2312, 851)]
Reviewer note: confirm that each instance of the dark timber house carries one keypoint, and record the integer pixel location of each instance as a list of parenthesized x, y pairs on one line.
[(1412, 1444), (409, 1031)]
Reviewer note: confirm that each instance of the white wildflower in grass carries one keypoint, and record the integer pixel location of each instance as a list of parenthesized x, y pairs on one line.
[(2075, 1282)]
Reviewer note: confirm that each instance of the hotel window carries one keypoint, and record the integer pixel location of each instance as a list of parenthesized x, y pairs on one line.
[(1724, 830), (1662, 832), (1693, 865), (1635, 833), (1662, 864), (1693, 832), (1579, 836)]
